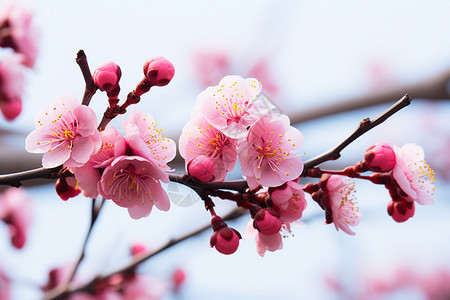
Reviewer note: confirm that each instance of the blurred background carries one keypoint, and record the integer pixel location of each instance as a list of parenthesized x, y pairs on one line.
[(311, 57)]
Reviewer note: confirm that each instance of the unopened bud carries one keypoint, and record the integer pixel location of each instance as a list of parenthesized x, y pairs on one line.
[(67, 188), (267, 221), (380, 158), (159, 71), (400, 209), (201, 168), (11, 109), (107, 77), (224, 239)]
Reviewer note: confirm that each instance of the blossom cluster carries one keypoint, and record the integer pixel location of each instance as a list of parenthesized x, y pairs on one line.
[(18, 33), (233, 122), (127, 169)]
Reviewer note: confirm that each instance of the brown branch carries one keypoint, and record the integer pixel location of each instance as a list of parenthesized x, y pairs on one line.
[(434, 88), (15, 179), (95, 210), (91, 87), (60, 293), (363, 127)]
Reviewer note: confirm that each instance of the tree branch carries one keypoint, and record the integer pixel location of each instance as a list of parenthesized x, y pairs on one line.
[(434, 88), (60, 293), (91, 88), (363, 127)]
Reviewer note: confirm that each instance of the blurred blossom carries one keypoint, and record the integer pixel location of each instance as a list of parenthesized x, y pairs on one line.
[(17, 212), (11, 86), (18, 32)]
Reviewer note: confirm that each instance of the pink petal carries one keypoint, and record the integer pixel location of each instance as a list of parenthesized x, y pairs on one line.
[(57, 156), (82, 149), (87, 120), (140, 211)]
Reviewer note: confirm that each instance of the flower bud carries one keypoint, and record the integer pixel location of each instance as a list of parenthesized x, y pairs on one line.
[(267, 221), (138, 249), (11, 109), (400, 209), (67, 188), (159, 71), (224, 239), (201, 168), (107, 77), (178, 278), (380, 158)]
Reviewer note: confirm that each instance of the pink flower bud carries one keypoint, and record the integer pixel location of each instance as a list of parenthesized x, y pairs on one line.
[(159, 71), (380, 158), (201, 168), (178, 278), (400, 209), (224, 239), (11, 109), (267, 221), (137, 249), (107, 77)]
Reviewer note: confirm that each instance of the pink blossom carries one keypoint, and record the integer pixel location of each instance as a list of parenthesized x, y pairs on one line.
[(18, 31), (380, 157), (413, 175), (143, 287), (200, 138), (133, 182), (5, 283), (88, 175), (146, 140), (16, 211), (66, 132), (11, 86), (233, 105), (266, 154), (264, 242), (344, 211), (289, 200)]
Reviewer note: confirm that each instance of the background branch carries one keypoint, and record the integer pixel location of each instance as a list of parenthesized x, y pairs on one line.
[(60, 293), (91, 88)]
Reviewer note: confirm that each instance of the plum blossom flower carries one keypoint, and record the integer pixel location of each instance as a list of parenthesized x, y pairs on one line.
[(344, 212), (19, 32), (264, 242), (266, 154), (200, 138), (289, 200), (66, 132), (88, 175), (146, 140), (133, 182), (11, 86), (413, 175), (232, 106), (16, 212)]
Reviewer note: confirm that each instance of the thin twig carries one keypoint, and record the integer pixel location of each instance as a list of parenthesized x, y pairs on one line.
[(95, 210), (59, 293), (91, 88), (363, 127)]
